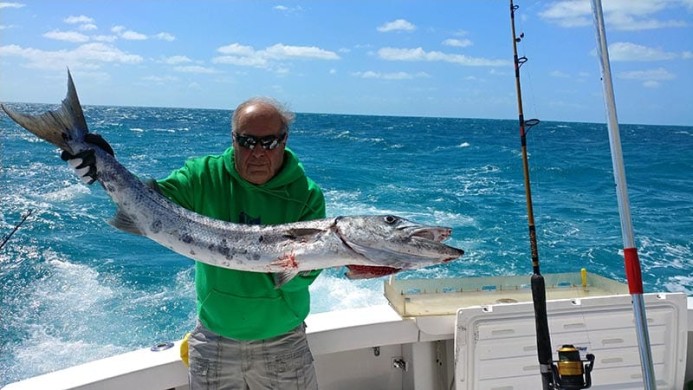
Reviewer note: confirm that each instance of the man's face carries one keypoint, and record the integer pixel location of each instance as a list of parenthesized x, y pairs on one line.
[(258, 165)]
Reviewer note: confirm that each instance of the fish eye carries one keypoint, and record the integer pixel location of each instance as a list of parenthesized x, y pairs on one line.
[(390, 219)]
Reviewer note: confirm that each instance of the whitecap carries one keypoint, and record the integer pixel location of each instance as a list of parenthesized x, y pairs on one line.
[(70, 192), (332, 293)]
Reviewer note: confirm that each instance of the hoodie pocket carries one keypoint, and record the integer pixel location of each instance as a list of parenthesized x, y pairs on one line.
[(247, 318)]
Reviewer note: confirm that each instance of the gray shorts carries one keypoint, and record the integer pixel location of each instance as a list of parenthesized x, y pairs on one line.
[(282, 362)]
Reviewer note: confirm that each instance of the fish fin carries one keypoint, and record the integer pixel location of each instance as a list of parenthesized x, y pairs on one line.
[(122, 221), (151, 183), (303, 234), (59, 126), (283, 278), (379, 255), (369, 272)]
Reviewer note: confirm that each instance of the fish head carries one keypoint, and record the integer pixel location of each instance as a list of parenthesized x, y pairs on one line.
[(392, 241)]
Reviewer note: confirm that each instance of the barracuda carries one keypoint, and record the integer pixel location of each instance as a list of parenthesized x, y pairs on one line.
[(370, 246)]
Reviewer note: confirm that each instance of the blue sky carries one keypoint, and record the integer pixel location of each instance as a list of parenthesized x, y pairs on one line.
[(408, 57)]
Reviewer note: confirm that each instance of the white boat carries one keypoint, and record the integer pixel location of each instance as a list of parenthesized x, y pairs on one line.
[(469, 333)]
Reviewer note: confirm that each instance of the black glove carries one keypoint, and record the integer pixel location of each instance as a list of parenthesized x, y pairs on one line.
[(84, 162)]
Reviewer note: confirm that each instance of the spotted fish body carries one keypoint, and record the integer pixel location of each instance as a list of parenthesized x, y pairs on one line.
[(370, 245)]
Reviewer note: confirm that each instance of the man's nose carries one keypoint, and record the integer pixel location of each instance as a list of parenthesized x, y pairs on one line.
[(258, 151)]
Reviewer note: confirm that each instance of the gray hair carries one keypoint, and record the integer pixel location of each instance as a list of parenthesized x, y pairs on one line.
[(287, 117)]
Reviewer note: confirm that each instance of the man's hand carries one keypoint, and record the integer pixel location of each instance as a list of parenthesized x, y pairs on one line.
[(84, 162)]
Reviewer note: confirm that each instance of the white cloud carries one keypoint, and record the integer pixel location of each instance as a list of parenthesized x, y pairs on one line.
[(81, 19), (175, 60), (568, 13), (236, 49), (281, 71), (104, 38), (195, 69), (280, 51), (390, 76), (625, 15), (626, 51), (243, 55), (89, 56), (88, 27), (11, 5), (397, 25), (650, 78), (659, 74), (100, 52), (283, 8), (457, 42), (651, 84), (160, 79), (69, 36), (419, 54), (124, 33), (253, 61), (164, 36), (133, 36)]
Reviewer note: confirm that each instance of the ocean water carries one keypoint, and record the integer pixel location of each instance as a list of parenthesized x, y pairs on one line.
[(73, 289)]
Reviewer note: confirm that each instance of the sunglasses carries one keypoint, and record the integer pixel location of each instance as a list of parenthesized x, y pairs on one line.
[(269, 142)]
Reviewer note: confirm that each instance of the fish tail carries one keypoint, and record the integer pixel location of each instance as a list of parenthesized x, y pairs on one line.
[(60, 127)]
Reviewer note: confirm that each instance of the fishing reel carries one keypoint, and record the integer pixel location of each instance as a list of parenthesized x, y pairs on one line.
[(570, 372)]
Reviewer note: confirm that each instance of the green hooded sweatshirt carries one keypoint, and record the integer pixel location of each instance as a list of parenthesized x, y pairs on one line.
[(239, 304)]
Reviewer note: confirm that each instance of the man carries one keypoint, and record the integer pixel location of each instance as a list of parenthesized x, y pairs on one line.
[(250, 334)]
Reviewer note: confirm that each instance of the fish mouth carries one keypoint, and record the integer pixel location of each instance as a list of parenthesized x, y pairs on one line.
[(437, 234), (406, 246)]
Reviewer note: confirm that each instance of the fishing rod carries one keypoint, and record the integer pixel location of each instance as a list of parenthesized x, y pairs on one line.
[(630, 252), (569, 372), (544, 352), (16, 227)]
